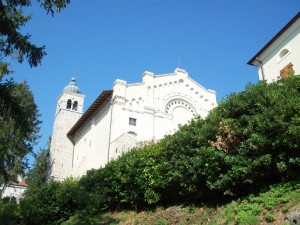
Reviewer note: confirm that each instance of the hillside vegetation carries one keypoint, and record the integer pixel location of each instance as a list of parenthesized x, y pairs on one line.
[(247, 143), (278, 205)]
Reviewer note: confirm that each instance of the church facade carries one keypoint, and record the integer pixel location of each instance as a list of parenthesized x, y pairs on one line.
[(121, 118)]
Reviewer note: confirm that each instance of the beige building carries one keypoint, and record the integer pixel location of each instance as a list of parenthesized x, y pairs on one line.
[(121, 118), (281, 55)]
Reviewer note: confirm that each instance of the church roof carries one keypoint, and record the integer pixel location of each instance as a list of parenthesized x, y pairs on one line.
[(90, 111), (284, 29), (72, 87)]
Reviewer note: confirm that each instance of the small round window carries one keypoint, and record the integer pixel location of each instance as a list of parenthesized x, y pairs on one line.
[(283, 53)]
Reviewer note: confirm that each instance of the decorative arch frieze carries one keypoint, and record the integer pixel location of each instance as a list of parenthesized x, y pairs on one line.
[(175, 102)]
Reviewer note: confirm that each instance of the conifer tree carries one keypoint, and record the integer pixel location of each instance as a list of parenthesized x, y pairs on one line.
[(19, 122)]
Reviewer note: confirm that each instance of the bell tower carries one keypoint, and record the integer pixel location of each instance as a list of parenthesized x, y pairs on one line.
[(68, 110)]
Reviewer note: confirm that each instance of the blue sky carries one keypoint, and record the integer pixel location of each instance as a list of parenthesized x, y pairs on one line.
[(102, 40)]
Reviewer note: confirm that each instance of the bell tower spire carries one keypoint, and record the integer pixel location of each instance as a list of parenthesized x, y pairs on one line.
[(69, 109)]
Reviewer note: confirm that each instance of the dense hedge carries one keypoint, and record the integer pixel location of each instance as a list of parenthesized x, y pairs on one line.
[(249, 141), (53, 203), (9, 211)]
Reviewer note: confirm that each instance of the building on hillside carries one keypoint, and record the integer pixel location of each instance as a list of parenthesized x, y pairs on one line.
[(121, 118), (14, 189), (280, 56)]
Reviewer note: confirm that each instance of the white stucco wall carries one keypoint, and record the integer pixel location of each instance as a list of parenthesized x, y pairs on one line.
[(272, 63), (121, 145), (13, 190), (91, 142), (147, 102)]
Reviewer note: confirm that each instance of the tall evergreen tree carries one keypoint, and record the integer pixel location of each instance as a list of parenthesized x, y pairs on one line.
[(19, 126), (37, 175), (19, 122), (14, 44)]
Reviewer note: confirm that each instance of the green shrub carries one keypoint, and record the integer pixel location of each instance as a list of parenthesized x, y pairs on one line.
[(251, 140), (9, 211), (270, 218), (259, 132), (244, 218), (53, 203)]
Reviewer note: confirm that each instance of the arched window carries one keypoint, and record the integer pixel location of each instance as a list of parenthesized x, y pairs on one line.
[(75, 106), (69, 104), (283, 53)]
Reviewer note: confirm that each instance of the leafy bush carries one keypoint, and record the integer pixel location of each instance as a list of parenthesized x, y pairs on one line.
[(9, 211), (262, 139), (133, 180), (53, 203), (249, 141)]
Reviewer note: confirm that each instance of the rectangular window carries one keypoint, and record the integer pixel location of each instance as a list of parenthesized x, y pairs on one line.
[(132, 121), (286, 71)]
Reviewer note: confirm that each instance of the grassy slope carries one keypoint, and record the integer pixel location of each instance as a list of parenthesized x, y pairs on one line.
[(272, 206)]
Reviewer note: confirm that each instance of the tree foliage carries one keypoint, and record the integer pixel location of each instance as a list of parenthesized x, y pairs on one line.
[(37, 174), (18, 113), (14, 44), (264, 124), (53, 203), (19, 126), (9, 211)]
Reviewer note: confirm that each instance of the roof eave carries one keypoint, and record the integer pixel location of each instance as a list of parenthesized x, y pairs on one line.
[(284, 29), (89, 112)]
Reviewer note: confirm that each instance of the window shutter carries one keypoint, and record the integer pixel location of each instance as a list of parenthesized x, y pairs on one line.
[(287, 70)]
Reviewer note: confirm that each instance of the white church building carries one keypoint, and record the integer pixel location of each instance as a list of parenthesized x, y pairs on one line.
[(120, 119)]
